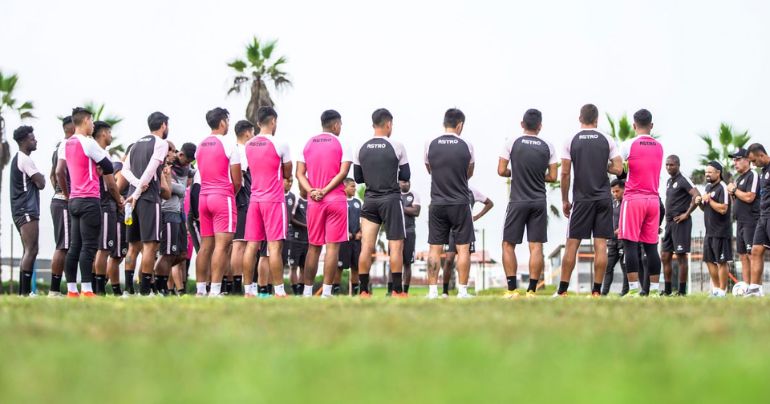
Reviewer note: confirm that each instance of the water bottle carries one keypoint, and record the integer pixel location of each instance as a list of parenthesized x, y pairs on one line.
[(129, 215)]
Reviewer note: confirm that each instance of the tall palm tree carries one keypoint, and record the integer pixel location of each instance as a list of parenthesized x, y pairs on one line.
[(719, 147), (259, 68), (9, 103), (621, 130)]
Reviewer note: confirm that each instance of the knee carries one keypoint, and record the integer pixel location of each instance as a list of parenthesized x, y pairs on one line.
[(757, 252)]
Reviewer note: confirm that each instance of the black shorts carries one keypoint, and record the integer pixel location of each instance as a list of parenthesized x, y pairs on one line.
[(297, 254), (678, 237), (285, 252), (21, 220), (591, 219), (446, 219), (147, 220), (113, 234), (61, 223), (386, 210), (530, 215), (744, 237), (240, 224), (173, 235), (762, 232), (349, 252), (451, 247), (194, 227), (717, 250), (409, 245)]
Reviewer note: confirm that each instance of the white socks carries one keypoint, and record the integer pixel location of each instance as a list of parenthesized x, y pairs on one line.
[(633, 286), (654, 287), (432, 290), (216, 289), (72, 287), (307, 291), (85, 287), (327, 290), (279, 290), (462, 290), (248, 289), (200, 288)]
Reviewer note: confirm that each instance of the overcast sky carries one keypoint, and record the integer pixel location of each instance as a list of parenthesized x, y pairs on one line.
[(692, 63)]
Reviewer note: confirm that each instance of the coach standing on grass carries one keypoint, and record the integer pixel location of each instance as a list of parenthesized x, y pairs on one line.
[(758, 156), (745, 193), (26, 183), (717, 246)]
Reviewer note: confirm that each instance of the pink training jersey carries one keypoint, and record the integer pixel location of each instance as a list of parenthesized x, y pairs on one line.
[(266, 157), (81, 154), (214, 156), (323, 155), (645, 159)]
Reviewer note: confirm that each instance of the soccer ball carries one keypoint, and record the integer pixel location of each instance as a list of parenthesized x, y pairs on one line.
[(740, 289)]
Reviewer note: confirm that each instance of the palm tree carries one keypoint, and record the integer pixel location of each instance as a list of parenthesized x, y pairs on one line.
[(621, 130), (8, 102), (258, 68), (727, 140)]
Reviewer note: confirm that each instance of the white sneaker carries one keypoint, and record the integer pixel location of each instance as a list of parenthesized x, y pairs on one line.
[(754, 293), (431, 296), (465, 296), (217, 296), (125, 295), (444, 295), (32, 294), (54, 295)]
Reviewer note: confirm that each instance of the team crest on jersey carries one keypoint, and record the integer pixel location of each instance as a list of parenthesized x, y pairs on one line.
[(124, 251), (110, 243), (676, 184), (357, 205), (409, 199), (743, 181), (290, 203), (713, 194), (173, 248)]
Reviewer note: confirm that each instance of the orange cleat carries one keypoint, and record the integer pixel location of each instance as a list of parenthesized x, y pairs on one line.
[(365, 295), (73, 295), (399, 295), (88, 294)]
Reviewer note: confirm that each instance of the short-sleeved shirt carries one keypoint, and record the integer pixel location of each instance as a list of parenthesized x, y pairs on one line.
[(717, 225), (291, 200), (449, 157), (266, 156), (25, 197), (747, 212), (410, 199), (244, 194), (82, 153), (529, 157), (299, 235), (477, 196), (380, 159), (323, 154), (678, 198), (645, 160), (590, 151), (764, 190), (57, 189), (214, 156), (105, 198), (354, 215), (146, 149)]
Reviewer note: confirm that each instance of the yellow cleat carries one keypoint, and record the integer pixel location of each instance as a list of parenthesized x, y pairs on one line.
[(531, 294), (511, 294)]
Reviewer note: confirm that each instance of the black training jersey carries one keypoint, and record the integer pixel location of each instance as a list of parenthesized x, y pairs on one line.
[(717, 225), (382, 162), (354, 215), (764, 191), (243, 196), (409, 199), (59, 151), (105, 198), (290, 200), (615, 216), (25, 197), (299, 234), (449, 157), (678, 198), (529, 158), (144, 151), (747, 212), (589, 151)]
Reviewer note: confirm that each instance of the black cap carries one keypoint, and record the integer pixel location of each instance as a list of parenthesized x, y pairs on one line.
[(716, 165), (189, 150), (741, 153)]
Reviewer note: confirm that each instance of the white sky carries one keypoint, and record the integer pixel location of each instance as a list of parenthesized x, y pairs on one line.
[(692, 63)]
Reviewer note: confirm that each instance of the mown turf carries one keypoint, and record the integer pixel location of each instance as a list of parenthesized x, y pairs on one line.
[(346, 350)]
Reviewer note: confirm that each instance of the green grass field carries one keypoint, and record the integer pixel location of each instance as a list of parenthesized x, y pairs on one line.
[(347, 350)]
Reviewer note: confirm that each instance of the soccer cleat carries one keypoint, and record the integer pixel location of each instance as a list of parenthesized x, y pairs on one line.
[(54, 295), (511, 294), (595, 295), (444, 295), (633, 293), (431, 296), (399, 295), (557, 295), (365, 295), (249, 295), (530, 294), (73, 295), (263, 295), (199, 294), (88, 294), (465, 296), (215, 296)]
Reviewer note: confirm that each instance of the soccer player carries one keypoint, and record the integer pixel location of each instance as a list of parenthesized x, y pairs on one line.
[(450, 250), (350, 250), (60, 211), (533, 162), (291, 201), (244, 131), (411, 202), (640, 210), (142, 169), (269, 161), (322, 165), (717, 246), (298, 240), (380, 163), (587, 153), (450, 162), (758, 156), (182, 170), (173, 234), (681, 197), (109, 200), (219, 165), (614, 246), (745, 193), (82, 155), (26, 183)]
